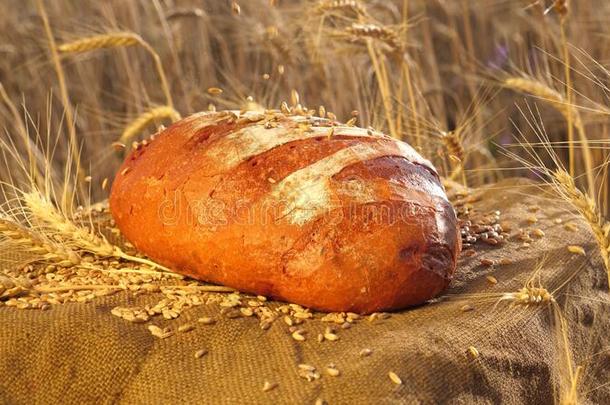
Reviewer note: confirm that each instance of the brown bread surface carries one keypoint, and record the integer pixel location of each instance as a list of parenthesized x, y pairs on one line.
[(281, 206)]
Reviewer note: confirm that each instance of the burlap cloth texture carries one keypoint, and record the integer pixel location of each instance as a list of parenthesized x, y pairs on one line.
[(80, 353)]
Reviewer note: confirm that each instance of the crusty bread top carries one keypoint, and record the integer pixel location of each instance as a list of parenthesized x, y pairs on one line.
[(221, 142)]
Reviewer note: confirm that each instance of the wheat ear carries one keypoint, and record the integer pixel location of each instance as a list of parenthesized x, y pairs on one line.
[(112, 40), (115, 40), (457, 154), (45, 251), (141, 122), (586, 206), (378, 32), (353, 6), (78, 238), (567, 110)]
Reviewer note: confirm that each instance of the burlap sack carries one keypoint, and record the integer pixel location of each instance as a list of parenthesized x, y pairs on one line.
[(80, 353)]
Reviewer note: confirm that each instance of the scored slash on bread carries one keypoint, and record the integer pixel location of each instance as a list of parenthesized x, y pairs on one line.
[(271, 204)]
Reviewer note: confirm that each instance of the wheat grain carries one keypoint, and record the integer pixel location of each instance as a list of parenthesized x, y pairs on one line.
[(160, 333), (365, 352), (246, 311), (491, 279), (298, 335), (187, 327), (214, 91), (538, 233), (145, 119), (395, 378), (268, 386), (332, 371), (579, 250)]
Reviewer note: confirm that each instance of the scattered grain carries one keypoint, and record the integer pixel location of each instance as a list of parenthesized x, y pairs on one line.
[(570, 226), (395, 378), (491, 279), (297, 335), (365, 352), (215, 91), (207, 320), (187, 327), (268, 386), (160, 333), (538, 232), (473, 352), (579, 250), (246, 311), (332, 371)]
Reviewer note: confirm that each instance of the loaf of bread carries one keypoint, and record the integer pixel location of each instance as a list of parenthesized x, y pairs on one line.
[(294, 207)]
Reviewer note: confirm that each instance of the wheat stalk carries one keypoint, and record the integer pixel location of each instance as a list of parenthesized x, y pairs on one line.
[(567, 110), (587, 208), (561, 7), (78, 238), (141, 122), (63, 89), (115, 40)]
